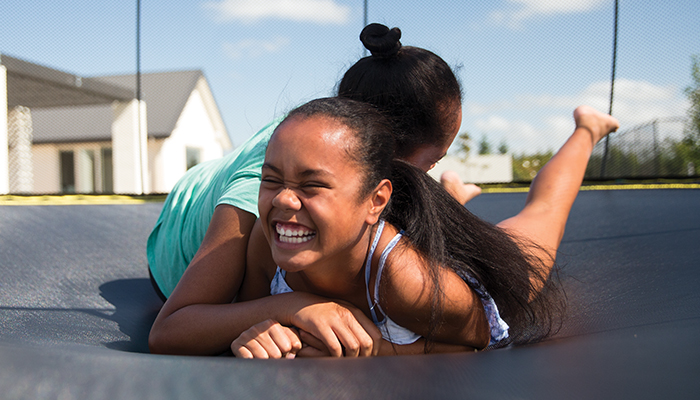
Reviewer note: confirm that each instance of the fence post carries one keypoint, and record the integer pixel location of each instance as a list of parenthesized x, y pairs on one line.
[(657, 157), (4, 153), (19, 138)]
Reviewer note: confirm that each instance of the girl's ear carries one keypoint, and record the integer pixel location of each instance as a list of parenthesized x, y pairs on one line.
[(378, 200)]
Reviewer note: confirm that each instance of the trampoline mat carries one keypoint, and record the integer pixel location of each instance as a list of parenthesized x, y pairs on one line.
[(76, 306)]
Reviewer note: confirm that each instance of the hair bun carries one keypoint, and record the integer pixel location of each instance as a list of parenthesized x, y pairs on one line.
[(380, 40)]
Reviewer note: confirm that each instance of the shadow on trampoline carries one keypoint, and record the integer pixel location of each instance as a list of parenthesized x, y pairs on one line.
[(135, 308)]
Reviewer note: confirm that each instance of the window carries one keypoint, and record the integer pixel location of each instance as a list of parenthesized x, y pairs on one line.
[(86, 171), (67, 166), (193, 156), (107, 171)]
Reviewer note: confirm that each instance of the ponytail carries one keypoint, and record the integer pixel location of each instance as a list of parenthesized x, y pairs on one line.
[(446, 234)]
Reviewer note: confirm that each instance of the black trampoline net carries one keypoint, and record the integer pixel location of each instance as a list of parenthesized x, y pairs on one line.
[(95, 105)]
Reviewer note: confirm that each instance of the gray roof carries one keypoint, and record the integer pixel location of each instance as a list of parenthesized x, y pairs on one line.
[(165, 94), (33, 85)]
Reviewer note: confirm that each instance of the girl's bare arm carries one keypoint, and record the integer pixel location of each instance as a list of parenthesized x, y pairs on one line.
[(554, 189), (200, 318)]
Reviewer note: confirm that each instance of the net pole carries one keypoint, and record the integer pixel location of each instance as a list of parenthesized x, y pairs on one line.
[(612, 89), (365, 22), (138, 91)]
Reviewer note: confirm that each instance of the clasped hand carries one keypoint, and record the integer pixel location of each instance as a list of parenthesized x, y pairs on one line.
[(320, 328)]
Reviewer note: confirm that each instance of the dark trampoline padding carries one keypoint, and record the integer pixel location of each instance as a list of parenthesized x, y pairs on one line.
[(76, 306)]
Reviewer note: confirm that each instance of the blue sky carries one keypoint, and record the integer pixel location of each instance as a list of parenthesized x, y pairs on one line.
[(524, 64)]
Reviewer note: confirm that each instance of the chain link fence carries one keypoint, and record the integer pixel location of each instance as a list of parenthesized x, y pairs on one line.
[(662, 148), (213, 75)]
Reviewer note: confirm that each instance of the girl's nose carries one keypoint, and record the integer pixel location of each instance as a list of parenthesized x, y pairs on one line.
[(286, 199)]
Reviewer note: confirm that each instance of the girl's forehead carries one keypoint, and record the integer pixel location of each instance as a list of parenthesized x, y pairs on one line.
[(315, 130)]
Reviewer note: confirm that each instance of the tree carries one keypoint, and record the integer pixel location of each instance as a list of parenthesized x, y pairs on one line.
[(462, 142), (688, 149), (693, 93), (503, 147), (526, 166), (484, 145)]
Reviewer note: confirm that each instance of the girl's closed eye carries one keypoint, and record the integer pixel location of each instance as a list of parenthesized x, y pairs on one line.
[(271, 181), (315, 185)]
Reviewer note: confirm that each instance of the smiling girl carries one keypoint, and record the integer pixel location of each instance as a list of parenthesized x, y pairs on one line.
[(342, 219)]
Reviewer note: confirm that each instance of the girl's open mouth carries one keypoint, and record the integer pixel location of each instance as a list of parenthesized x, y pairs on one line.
[(293, 233)]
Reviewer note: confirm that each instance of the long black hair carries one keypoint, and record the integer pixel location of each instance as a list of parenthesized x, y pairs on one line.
[(447, 235), (443, 231), (414, 87)]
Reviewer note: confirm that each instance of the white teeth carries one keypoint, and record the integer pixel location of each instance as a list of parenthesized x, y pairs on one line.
[(296, 240), (294, 236)]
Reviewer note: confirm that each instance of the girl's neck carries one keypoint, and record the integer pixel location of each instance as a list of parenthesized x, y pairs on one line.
[(342, 276)]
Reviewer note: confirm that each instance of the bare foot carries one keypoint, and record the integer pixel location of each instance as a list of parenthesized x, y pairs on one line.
[(596, 122), (451, 181)]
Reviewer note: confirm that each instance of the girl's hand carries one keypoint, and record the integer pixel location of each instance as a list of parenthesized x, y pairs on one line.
[(339, 326), (268, 339)]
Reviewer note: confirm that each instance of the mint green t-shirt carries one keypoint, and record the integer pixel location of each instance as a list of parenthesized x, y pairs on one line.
[(233, 179)]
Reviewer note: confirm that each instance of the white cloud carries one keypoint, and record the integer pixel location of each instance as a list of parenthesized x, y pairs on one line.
[(501, 124), (518, 11), (253, 48), (635, 102), (317, 11), (534, 122)]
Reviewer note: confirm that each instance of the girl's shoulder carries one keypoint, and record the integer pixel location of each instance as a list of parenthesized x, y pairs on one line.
[(402, 271)]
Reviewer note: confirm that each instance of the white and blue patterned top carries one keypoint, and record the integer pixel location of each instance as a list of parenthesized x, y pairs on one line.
[(391, 331)]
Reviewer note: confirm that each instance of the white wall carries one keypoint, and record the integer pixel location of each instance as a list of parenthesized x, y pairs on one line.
[(47, 168), (47, 173), (129, 147), (194, 128), (155, 163), (491, 168)]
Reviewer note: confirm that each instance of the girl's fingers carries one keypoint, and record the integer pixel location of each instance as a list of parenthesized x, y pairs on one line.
[(285, 339), (309, 351), (342, 327), (270, 346), (332, 343), (313, 347), (267, 339), (240, 351), (368, 334), (351, 343), (255, 350), (367, 345)]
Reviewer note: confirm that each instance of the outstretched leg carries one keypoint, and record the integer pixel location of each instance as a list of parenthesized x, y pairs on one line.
[(463, 192), (554, 189)]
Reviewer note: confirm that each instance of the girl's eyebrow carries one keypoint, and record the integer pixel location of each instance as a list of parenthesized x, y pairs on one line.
[(304, 174)]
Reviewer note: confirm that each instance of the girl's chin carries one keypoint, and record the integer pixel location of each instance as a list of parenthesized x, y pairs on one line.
[(293, 263), (290, 266)]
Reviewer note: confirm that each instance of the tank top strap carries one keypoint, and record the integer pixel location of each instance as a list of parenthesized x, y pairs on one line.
[(368, 267), (374, 302), (382, 260)]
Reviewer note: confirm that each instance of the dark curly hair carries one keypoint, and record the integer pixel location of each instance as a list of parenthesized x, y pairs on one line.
[(415, 88)]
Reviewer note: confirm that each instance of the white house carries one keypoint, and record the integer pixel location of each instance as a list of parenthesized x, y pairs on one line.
[(66, 134), (73, 145), (488, 168)]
